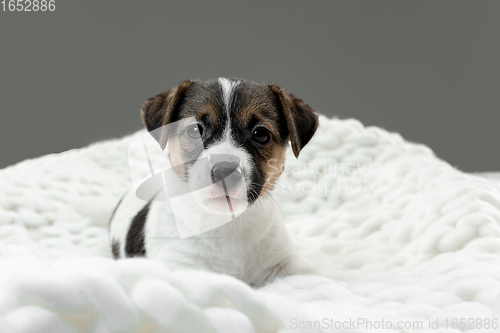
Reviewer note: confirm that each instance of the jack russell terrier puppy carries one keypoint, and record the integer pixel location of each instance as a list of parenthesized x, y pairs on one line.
[(228, 149)]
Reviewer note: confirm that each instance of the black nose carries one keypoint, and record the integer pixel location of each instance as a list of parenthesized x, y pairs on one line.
[(226, 174)]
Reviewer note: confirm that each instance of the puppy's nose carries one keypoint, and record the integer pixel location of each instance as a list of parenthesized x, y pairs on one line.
[(230, 172)]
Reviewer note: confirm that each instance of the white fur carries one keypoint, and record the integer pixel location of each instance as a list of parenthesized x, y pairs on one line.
[(227, 91), (254, 248), (227, 147)]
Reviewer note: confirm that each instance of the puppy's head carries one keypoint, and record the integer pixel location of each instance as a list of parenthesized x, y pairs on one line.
[(228, 137)]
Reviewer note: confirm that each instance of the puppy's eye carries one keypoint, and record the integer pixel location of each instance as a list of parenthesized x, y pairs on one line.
[(261, 135), (194, 131)]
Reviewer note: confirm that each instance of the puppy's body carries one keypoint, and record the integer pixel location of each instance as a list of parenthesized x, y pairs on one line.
[(255, 249), (236, 118)]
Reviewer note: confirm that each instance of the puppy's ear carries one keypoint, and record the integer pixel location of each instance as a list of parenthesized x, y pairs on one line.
[(301, 120), (161, 110)]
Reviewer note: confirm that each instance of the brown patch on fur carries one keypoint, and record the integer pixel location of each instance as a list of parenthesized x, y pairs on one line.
[(301, 120), (209, 110), (176, 147), (259, 108), (273, 167), (253, 112), (159, 110), (175, 153)]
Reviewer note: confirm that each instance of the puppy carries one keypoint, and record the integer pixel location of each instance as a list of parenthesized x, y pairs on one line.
[(226, 143)]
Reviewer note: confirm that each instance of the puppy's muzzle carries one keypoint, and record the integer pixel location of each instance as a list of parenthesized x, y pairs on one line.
[(226, 174)]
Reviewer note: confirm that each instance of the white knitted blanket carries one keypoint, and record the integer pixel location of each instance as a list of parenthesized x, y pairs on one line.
[(407, 244)]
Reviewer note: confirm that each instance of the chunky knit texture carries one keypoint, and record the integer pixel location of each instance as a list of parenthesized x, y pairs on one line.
[(400, 236)]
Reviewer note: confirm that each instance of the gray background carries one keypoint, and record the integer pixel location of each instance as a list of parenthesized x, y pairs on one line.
[(426, 69)]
